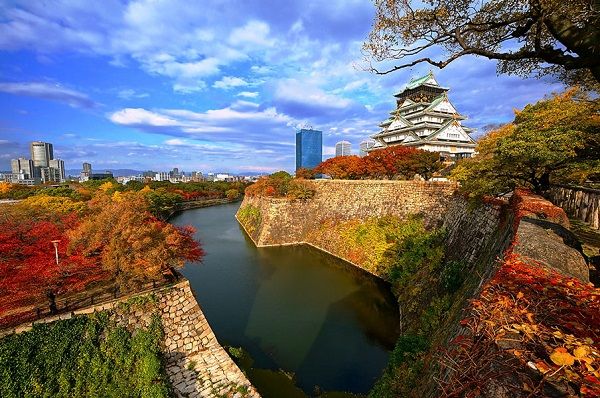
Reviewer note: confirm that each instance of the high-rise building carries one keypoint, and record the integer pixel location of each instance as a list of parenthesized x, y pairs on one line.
[(161, 176), (86, 172), (309, 148), (424, 118), (59, 165), (49, 174), (22, 166), (365, 147), (41, 153), (343, 148)]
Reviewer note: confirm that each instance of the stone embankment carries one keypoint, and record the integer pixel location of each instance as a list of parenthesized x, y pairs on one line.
[(286, 221), (529, 229), (196, 363), (579, 202)]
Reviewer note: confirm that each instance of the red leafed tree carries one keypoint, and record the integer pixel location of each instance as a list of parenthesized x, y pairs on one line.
[(393, 159), (29, 275), (342, 167), (404, 162), (391, 162)]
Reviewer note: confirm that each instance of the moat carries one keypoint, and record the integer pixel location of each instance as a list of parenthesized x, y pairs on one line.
[(292, 308)]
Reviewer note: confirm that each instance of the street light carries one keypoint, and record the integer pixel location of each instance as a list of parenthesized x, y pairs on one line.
[(55, 243)]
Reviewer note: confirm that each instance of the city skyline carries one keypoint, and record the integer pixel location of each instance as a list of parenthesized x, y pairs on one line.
[(229, 93)]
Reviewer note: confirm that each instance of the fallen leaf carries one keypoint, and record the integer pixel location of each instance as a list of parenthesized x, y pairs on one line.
[(581, 352), (561, 357)]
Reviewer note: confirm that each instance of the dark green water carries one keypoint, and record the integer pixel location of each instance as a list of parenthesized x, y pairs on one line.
[(292, 308)]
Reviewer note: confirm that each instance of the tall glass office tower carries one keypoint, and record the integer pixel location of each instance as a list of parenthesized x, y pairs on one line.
[(309, 148)]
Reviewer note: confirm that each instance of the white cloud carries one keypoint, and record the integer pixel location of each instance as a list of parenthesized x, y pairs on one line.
[(128, 94), (175, 142), (252, 34), (139, 116), (293, 90), (248, 94), (211, 121), (189, 87), (49, 91), (229, 82), (261, 70)]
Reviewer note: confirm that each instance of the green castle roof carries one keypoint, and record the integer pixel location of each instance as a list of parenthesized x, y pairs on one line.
[(418, 81)]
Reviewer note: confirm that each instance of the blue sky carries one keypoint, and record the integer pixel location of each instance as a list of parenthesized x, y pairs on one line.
[(208, 85)]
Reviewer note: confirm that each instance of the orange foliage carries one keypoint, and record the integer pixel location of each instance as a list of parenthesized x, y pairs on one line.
[(528, 204), (529, 326), (391, 162)]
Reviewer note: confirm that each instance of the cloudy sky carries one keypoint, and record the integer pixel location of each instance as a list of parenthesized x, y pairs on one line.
[(211, 85)]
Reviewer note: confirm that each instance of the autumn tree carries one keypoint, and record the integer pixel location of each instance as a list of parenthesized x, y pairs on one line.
[(161, 202), (131, 243), (305, 173), (404, 162), (342, 167), (29, 275), (232, 194), (542, 36), (554, 140)]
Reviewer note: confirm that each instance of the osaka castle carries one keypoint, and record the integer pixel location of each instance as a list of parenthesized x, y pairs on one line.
[(424, 118)]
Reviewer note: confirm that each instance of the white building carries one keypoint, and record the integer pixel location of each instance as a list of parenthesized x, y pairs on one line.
[(161, 176), (424, 118), (343, 148), (365, 147), (24, 166), (59, 165)]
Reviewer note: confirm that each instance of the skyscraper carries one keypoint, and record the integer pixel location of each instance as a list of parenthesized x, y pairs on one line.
[(309, 148), (41, 153), (365, 146), (59, 165), (22, 165), (343, 148)]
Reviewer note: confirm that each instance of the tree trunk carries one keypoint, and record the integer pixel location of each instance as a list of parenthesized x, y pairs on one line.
[(545, 182), (52, 302)]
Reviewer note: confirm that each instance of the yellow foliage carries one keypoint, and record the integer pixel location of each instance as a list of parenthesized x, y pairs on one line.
[(53, 204), (4, 187), (106, 186), (117, 196), (561, 357), (146, 189)]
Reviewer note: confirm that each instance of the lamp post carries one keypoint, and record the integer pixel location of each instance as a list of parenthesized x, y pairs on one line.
[(55, 243)]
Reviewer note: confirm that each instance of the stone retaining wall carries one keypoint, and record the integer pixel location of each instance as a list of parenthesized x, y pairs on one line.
[(196, 363), (285, 221)]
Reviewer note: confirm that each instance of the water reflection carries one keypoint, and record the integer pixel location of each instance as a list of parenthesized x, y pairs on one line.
[(292, 308)]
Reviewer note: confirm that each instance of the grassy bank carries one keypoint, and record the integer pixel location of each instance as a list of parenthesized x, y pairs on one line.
[(87, 356)]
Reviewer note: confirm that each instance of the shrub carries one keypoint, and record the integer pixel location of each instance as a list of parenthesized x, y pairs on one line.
[(232, 194), (300, 189), (250, 217), (87, 356), (281, 185), (305, 173)]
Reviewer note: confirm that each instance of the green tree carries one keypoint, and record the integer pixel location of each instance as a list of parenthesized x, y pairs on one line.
[(543, 36), (555, 140), (232, 194)]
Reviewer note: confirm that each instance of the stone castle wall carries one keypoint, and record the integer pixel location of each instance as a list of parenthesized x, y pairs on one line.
[(285, 221), (477, 234), (196, 363)]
